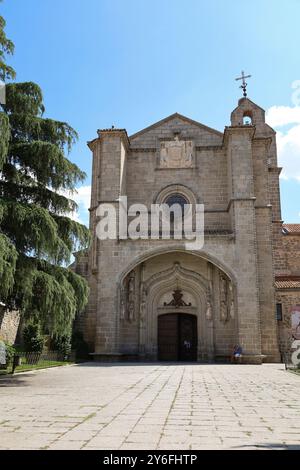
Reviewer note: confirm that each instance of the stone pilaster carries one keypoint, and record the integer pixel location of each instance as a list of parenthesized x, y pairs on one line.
[(242, 208), (109, 183)]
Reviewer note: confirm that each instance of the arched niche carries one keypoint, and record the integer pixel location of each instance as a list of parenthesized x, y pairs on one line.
[(195, 291)]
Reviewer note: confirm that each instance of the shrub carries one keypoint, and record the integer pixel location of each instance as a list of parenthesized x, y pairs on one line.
[(33, 339), (62, 344), (10, 352)]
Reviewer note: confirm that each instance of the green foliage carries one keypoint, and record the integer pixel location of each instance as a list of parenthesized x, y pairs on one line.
[(33, 339), (6, 48), (8, 261), (36, 194), (44, 129), (4, 138), (46, 163), (62, 344), (37, 237), (25, 98), (52, 294), (10, 352)]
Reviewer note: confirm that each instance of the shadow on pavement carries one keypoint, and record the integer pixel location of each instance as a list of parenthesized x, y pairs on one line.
[(271, 446), (14, 380), (162, 363)]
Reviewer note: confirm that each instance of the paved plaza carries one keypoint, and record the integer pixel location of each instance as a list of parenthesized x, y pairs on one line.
[(151, 406)]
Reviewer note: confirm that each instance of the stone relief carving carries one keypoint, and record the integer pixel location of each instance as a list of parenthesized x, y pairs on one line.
[(231, 301), (177, 300), (208, 313), (143, 303), (131, 314), (227, 307), (127, 298), (223, 299), (209, 294), (179, 272), (131, 295), (123, 303), (176, 153)]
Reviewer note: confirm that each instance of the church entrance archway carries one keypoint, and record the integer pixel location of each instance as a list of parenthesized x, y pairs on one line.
[(177, 337)]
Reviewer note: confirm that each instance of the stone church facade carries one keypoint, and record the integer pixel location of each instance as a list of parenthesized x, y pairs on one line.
[(161, 300)]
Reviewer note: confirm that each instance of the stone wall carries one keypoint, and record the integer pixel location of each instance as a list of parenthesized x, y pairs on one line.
[(9, 324), (287, 298), (235, 175), (288, 280), (290, 255)]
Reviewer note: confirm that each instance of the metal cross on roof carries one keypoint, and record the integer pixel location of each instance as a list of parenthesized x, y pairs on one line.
[(244, 83)]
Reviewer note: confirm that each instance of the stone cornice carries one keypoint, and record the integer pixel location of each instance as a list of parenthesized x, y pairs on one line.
[(92, 144), (199, 148), (209, 147), (265, 206), (240, 199), (237, 130), (122, 133), (275, 169), (143, 149)]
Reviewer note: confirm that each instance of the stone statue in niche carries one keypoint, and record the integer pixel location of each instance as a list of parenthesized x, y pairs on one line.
[(143, 303), (123, 303), (189, 154), (208, 310), (131, 297), (131, 315), (223, 299), (176, 153), (231, 300), (163, 155), (131, 286)]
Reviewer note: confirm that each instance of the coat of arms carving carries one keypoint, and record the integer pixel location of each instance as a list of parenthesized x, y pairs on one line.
[(177, 154)]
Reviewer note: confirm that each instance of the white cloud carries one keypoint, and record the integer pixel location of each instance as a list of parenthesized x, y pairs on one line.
[(278, 116), (288, 144), (82, 197), (288, 138)]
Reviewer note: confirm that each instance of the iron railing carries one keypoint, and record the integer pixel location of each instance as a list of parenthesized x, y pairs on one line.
[(23, 361)]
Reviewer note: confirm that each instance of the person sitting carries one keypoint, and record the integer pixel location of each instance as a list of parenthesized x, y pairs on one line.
[(237, 354)]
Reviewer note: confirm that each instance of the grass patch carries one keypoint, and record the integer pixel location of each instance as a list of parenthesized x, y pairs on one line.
[(41, 365), (294, 371)]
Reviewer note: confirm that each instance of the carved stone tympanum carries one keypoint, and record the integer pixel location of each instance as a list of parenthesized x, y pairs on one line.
[(177, 300)]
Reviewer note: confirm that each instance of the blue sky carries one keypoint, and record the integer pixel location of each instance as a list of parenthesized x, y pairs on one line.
[(133, 62)]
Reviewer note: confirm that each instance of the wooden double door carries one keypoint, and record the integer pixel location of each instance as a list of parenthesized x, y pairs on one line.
[(177, 337)]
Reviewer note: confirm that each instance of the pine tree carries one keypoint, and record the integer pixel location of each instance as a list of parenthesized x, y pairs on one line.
[(37, 237)]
